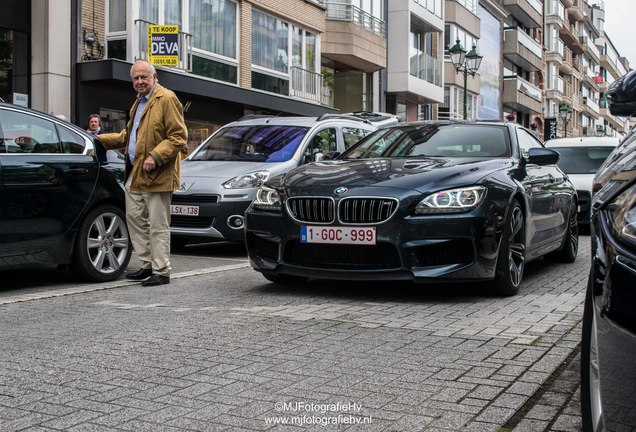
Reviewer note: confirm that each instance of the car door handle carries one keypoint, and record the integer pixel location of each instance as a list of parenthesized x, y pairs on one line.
[(76, 171)]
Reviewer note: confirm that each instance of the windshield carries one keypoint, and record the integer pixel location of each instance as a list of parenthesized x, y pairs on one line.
[(434, 140), (256, 143), (582, 160)]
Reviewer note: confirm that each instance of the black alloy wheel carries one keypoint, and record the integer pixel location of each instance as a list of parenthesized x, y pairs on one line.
[(511, 260)]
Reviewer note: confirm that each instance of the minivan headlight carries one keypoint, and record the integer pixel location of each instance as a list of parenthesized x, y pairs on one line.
[(267, 199), (451, 200), (248, 180)]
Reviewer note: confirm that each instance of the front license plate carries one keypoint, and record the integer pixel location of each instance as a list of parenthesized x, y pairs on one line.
[(184, 210), (336, 234)]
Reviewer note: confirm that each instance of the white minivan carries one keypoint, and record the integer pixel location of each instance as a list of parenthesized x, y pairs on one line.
[(580, 158)]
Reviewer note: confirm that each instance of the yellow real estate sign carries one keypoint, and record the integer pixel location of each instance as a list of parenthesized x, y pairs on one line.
[(163, 45)]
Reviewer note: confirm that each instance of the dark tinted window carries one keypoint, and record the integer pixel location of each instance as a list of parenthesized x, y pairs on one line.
[(582, 160), (71, 141), (24, 133), (252, 143), (435, 141)]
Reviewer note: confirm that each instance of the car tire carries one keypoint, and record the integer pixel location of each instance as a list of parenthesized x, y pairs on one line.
[(511, 259), (568, 251), (591, 408), (102, 246), (283, 278)]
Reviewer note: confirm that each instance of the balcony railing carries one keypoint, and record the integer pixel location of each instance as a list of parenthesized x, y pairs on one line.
[(185, 45), (471, 5), (536, 4), (305, 84), (433, 6), (556, 8), (591, 103), (529, 43), (351, 13), (427, 68), (528, 89)]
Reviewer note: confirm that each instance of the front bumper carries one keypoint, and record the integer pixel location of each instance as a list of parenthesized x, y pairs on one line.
[(459, 247), (219, 220)]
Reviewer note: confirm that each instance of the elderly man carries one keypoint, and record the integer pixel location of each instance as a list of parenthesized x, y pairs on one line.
[(154, 137)]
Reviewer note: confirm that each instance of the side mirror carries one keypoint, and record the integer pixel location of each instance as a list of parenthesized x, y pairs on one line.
[(542, 156)]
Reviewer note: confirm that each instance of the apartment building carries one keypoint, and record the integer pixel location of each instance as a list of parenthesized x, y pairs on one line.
[(354, 50), (522, 61), (479, 24), (414, 73), (580, 63)]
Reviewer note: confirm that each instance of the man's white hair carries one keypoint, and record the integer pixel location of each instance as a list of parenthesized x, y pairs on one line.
[(152, 67)]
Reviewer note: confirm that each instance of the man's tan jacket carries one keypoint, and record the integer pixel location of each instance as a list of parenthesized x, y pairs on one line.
[(162, 133)]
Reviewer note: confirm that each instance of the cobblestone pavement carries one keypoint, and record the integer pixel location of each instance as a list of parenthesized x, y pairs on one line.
[(223, 350)]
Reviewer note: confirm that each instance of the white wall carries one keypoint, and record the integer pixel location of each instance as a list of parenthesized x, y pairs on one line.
[(51, 56)]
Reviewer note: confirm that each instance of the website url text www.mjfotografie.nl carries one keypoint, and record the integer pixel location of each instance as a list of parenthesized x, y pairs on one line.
[(309, 420), (308, 413)]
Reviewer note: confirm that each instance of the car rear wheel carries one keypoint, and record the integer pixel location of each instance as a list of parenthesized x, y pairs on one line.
[(511, 260), (284, 279), (102, 249), (591, 407), (568, 251)]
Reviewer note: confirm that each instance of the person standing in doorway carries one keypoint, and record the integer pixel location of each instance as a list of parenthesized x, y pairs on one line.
[(94, 124), (153, 139)]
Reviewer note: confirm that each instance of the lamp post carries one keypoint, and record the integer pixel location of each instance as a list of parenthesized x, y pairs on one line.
[(465, 63), (565, 111)]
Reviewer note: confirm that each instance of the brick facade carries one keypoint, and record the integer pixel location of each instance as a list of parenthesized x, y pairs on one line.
[(93, 26)]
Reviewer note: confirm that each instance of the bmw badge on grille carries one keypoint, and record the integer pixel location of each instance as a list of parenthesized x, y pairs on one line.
[(341, 190)]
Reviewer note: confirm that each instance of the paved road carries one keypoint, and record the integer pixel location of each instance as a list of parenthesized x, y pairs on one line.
[(221, 349)]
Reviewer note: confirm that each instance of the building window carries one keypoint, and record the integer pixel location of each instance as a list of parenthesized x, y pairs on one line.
[(452, 33), (214, 69), (213, 24), (116, 16), (117, 49), (14, 65), (270, 83), (278, 46), (270, 41), (423, 51)]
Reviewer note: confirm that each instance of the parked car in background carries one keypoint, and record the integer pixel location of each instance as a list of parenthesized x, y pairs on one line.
[(580, 158), (608, 349), (219, 179), (427, 202), (58, 203)]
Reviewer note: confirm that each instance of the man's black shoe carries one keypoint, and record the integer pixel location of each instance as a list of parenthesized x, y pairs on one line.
[(139, 274), (156, 280)]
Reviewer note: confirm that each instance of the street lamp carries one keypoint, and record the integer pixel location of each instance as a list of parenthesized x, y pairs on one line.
[(565, 111), (466, 63)]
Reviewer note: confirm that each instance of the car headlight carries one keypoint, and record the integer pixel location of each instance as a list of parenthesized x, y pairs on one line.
[(267, 199), (249, 180), (451, 200), (621, 215)]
